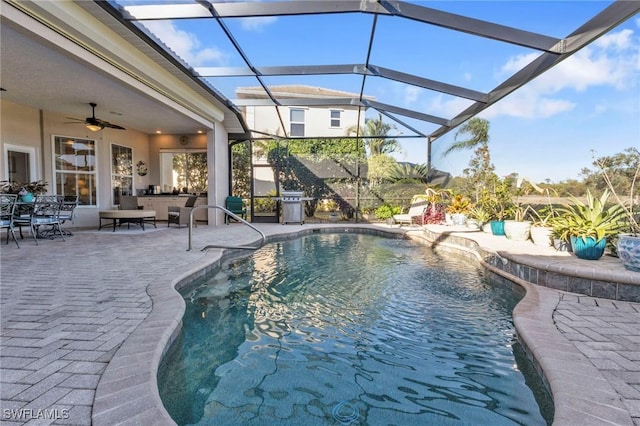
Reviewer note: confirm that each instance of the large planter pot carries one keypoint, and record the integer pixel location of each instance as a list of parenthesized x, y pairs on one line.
[(474, 225), (517, 230), (497, 227), (486, 227), (628, 248), (588, 248), (541, 236), (561, 245), (459, 219)]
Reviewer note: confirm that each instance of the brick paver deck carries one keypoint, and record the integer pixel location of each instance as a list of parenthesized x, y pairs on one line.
[(85, 322)]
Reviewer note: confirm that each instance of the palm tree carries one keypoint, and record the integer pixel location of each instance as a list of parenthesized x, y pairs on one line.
[(478, 129), (376, 127), (480, 170)]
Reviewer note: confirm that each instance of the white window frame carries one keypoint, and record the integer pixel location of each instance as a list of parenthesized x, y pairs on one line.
[(33, 159), (293, 122), (93, 173), (120, 175), (332, 119)]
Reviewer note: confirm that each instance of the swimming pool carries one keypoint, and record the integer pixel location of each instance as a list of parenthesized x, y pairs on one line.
[(349, 329)]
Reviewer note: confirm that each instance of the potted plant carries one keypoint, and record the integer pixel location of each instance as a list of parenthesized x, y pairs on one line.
[(541, 226), (481, 217), (589, 224), (560, 233), (500, 204), (518, 229), (435, 213), (26, 190), (627, 244), (458, 208)]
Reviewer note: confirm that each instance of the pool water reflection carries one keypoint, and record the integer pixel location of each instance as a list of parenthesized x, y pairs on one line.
[(349, 329)]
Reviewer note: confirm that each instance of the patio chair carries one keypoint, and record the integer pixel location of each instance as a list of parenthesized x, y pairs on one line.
[(236, 206), (67, 209), (129, 202), (416, 210), (7, 209), (180, 215), (45, 211)]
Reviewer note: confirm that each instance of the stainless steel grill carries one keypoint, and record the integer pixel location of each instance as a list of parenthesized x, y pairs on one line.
[(292, 207)]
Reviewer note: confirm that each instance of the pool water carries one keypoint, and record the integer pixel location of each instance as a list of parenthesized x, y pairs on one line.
[(350, 329)]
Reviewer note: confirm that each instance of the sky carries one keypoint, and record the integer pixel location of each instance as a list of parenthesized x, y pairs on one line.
[(548, 130)]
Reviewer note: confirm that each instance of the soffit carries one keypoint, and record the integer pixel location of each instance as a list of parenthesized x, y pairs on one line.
[(69, 57)]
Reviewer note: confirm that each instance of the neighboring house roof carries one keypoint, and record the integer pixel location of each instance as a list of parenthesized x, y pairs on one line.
[(295, 91)]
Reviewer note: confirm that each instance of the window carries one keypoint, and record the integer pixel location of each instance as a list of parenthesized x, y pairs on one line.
[(20, 163), (121, 172), (335, 118), (296, 118), (75, 168), (182, 170)]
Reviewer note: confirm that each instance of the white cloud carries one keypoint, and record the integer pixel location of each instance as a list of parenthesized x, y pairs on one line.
[(619, 41), (411, 94), (447, 108), (612, 60), (257, 24), (186, 45)]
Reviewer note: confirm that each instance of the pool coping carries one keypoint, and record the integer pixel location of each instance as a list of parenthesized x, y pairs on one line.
[(580, 392)]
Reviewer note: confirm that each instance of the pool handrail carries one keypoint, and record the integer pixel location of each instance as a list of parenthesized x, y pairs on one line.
[(233, 215)]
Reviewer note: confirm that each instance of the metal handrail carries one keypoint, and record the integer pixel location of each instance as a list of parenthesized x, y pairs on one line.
[(233, 215)]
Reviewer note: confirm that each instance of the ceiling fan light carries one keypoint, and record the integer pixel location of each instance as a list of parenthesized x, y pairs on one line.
[(94, 127)]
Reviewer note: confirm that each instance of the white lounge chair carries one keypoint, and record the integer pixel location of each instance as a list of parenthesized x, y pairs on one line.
[(415, 210)]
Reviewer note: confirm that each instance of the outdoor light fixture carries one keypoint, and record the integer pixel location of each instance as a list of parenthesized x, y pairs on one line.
[(94, 127)]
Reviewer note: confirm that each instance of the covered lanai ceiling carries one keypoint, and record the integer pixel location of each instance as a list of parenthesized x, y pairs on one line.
[(361, 47)]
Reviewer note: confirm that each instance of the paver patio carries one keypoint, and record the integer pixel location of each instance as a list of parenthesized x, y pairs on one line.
[(85, 322)]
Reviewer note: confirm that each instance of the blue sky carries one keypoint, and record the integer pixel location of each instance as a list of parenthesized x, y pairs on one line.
[(545, 130)]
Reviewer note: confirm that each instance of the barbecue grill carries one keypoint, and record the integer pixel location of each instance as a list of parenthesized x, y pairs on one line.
[(293, 207)]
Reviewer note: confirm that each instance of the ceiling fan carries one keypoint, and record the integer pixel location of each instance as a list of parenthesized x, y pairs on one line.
[(95, 124)]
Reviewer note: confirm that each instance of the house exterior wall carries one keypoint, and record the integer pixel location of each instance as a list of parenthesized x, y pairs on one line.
[(317, 120)]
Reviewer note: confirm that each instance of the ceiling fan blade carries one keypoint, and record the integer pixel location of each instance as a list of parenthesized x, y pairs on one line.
[(110, 125), (93, 121), (114, 126)]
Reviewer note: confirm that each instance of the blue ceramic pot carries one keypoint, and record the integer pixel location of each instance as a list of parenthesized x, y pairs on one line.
[(588, 248), (628, 248), (27, 198), (497, 227)]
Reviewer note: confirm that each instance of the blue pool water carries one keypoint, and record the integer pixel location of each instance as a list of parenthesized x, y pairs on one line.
[(337, 329)]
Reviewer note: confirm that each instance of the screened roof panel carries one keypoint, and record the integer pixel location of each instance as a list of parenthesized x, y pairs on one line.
[(333, 39), (384, 51), (416, 48)]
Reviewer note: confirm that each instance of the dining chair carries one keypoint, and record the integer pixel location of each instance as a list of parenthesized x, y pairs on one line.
[(7, 209), (67, 211), (45, 211)]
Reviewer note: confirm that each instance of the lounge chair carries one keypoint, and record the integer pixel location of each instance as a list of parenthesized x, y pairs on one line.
[(416, 210)]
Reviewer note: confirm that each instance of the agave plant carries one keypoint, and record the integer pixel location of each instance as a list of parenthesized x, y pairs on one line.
[(593, 218)]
